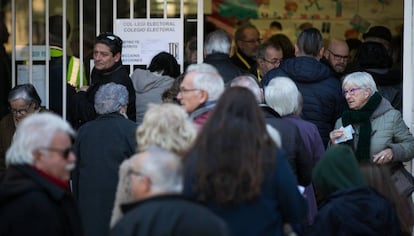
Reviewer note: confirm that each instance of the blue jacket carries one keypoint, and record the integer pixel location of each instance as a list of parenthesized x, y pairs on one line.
[(322, 93), (356, 211)]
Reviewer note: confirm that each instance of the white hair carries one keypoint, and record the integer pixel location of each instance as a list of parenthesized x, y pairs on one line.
[(282, 95), (361, 79), (165, 170), (208, 79), (167, 126), (247, 81), (217, 41), (34, 132)]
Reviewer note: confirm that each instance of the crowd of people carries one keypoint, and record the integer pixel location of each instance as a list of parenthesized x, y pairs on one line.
[(268, 138)]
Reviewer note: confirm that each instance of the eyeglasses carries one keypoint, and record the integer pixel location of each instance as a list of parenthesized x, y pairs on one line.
[(63, 152), (21, 111), (351, 91), (184, 90), (273, 61), (136, 173), (337, 56), (107, 36), (251, 41)]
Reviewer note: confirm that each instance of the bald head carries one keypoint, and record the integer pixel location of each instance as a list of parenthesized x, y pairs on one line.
[(337, 54)]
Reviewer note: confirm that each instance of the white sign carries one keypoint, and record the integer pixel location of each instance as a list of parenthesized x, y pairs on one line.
[(144, 38), (38, 52)]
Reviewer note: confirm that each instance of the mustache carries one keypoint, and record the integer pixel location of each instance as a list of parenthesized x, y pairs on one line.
[(70, 166)]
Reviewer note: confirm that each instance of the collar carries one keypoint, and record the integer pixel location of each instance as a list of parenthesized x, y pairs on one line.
[(56, 181)]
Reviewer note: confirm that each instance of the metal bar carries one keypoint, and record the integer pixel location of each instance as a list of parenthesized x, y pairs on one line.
[(30, 42), (200, 31), (47, 50), (13, 38), (64, 66), (81, 72)]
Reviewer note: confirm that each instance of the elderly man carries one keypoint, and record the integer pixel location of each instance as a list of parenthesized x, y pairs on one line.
[(291, 140), (101, 146), (336, 56), (34, 191), (247, 39), (268, 57), (201, 87), (154, 178), (216, 51), (322, 94)]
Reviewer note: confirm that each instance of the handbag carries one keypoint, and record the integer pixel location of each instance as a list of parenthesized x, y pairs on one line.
[(403, 180)]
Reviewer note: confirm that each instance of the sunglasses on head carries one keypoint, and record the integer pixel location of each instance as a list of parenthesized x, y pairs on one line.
[(110, 37)]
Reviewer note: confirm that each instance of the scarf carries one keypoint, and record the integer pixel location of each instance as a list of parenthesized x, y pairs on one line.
[(362, 117)]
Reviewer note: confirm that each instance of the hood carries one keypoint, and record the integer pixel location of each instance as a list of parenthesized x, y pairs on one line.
[(383, 107), (305, 69), (338, 169), (145, 80)]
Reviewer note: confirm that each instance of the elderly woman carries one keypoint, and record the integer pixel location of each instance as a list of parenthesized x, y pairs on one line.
[(166, 126), (283, 96), (23, 100), (381, 136), (101, 146)]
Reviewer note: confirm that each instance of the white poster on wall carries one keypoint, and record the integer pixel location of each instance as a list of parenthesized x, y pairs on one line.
[(144, 38)]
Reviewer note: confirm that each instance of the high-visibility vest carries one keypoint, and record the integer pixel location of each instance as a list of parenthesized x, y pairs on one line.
[(73, 68)]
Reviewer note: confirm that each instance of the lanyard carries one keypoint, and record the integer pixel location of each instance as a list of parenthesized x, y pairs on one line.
[(243, 60)]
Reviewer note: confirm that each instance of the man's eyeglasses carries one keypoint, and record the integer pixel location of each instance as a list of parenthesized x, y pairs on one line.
[(63, 152), (184, 90), (274, 61), (337, 56), (252, 41), (21, 111), (351, 91)]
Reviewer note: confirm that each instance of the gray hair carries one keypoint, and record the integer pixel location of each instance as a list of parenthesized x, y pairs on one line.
[(33, 133), (261, 50), (282, 95), (250, 83), (360, 79), (208, 79), (310, 42), (26, 92), (110, 97), (217, 41)]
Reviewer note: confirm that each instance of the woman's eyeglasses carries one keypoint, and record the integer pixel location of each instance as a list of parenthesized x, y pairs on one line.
[(351, 91)]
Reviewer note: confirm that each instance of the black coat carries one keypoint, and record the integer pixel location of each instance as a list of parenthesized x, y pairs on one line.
[(168, 215), (30, 204), (83, 102), (101, 146), (225, 66), (292, 143)]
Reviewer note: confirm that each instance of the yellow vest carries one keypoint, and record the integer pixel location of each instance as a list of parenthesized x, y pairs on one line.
[(73, 69)]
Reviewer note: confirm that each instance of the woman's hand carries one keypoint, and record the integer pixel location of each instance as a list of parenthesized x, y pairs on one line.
[(384, 156), (333, 135)]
